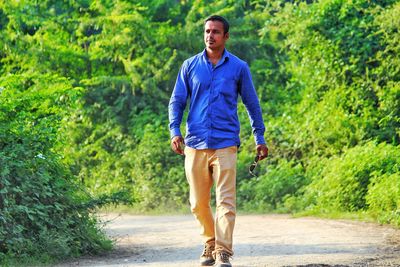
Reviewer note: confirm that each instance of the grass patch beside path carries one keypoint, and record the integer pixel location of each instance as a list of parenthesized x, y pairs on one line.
[(137, 210), (336, 215)]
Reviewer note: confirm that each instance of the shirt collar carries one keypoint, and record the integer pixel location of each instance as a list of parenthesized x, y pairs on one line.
[(225, 55)]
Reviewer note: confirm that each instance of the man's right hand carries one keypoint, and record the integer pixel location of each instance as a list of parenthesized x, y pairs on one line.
[(177, 144)]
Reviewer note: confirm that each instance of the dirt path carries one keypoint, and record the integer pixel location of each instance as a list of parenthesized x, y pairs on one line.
[(260, 240)]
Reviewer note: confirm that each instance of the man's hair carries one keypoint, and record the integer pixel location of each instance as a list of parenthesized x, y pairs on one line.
[(221, 19)]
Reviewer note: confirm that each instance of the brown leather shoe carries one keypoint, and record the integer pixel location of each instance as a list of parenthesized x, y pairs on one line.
[(222, 259), (207, 259)]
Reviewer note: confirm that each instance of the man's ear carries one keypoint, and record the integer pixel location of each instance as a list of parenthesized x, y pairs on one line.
[(227, 36)]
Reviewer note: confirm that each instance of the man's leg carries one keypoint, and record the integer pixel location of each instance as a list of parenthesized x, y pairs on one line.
[(224, 173), (200, 183)]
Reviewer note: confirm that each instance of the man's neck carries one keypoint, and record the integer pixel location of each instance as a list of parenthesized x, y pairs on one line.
[(214, 55)]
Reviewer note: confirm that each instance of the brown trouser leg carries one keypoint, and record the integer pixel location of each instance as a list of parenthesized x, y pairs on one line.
[(202, 168)]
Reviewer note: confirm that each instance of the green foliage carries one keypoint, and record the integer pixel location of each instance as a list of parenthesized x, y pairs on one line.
[(331, 58), (154, 185), (333, 54), (41, 207), (269, 191), (343, 183), (383, 197)]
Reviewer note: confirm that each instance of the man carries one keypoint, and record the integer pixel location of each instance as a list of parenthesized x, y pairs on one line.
[(212, 81)]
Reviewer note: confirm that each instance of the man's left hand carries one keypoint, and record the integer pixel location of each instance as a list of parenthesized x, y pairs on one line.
[(262, 151)]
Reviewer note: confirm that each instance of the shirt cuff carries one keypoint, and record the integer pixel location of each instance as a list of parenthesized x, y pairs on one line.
[(259, 139), (175, 132)]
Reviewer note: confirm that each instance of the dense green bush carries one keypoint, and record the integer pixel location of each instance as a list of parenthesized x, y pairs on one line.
[(157, 187), (383, 197), (43, 210), (343, 183), (269, 191)]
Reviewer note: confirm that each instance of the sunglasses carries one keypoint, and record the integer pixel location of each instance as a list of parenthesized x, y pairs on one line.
[(253, 166)]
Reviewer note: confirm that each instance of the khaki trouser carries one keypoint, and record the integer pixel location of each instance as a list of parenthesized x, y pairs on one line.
[(203, 167)]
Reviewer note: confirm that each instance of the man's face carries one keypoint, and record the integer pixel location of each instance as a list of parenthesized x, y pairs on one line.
[(214, 36)]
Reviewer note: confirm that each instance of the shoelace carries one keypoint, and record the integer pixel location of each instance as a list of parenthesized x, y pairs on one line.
[(224, 257), (207, 252)]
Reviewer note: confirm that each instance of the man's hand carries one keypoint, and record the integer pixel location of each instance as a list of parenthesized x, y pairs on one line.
[(177, 144), (262, 151)]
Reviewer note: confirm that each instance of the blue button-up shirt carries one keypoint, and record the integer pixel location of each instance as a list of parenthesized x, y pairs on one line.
[(213, 94)]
